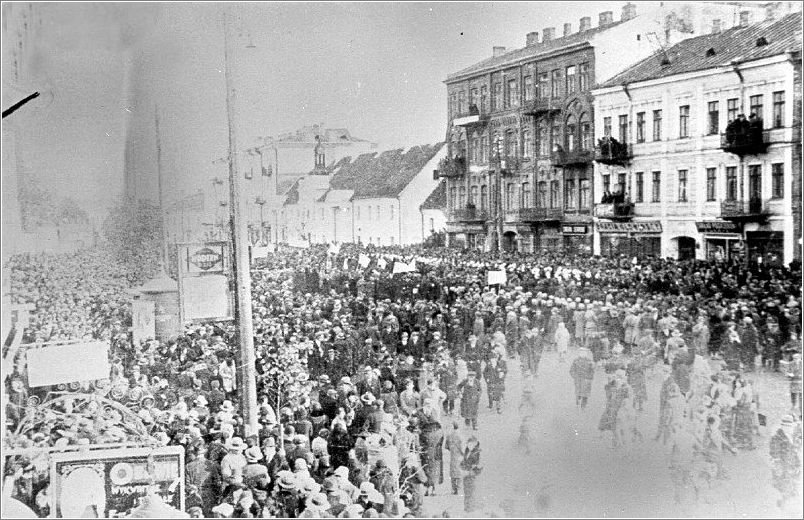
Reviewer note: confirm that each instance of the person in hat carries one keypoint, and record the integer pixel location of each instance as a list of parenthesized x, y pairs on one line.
[(617, 392), (409, 399), (470, 399), (582, 372), (785, 450), (315, 506), (455, 444), (472, 468), (561, 340), (285, 500), (234, 462)]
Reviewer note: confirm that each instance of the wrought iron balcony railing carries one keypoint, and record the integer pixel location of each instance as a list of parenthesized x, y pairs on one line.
[(541, 106), (571, 158), (615, 211), (613, 152), (539, 214), (452, 167), (750, 142), (468, 214), (752, 209)]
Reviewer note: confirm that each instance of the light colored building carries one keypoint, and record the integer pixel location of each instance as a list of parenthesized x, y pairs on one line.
[(434, 211), (373, 199), (694, 186)]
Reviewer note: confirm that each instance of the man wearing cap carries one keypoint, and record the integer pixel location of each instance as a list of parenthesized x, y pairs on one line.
[(470, 399), (785, 449)]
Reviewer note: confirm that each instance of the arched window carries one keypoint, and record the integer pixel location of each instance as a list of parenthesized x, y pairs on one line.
[(544, 139), (527, 144), (511, 144), (571, 132), (526, 196), (473, 196), (586, 132), (484, 197)]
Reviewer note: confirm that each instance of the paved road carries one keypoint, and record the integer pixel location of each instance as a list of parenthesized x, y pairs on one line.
[(574, 471)]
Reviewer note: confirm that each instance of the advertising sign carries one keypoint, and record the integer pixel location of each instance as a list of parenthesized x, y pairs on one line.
[(109, 483), (648, 226), (143, 316), (717, 226), (204, 258), (206, 297), (58, 364)]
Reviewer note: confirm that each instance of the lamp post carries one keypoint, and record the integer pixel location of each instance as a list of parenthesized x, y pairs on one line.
[(247, 370), (498, 205)]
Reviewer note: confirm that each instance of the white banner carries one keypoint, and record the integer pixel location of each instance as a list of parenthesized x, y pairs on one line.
[(67, 363), (497, 277), (206, 297), (143, 317), (334, 248), (363, 260), (381, 263), (259, 252), (402, 267)]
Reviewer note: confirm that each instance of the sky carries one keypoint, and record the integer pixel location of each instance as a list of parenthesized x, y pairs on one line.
[(374, 68)]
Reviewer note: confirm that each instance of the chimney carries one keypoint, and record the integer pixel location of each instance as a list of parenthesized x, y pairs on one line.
[(745, 18), (586, 24), (567, 29), (498, 51), (532, 38), (772, 10), (549, 34), (715, 26), (606, 17), (629, 12)]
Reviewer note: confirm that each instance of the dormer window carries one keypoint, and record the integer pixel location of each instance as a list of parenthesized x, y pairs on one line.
[(710, 52), (761, 41)]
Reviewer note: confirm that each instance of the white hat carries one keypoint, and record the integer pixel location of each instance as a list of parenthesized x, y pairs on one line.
[(342, 471)]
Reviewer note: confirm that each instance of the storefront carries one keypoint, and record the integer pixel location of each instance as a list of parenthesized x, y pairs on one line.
[(639, 239), (577, 239), (722, 239), (767, 245), (549, 239)]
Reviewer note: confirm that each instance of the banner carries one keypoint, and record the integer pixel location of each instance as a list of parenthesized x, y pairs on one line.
[(363, 260), (143, 317), (108, 483), (402, 267), (497, 277), (334, 248), (259, 252), (381, 263), (67, 363), (206, 298)]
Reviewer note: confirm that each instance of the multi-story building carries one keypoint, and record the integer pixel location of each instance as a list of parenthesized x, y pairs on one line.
[(698, 144), (373, 199), (520, 128)]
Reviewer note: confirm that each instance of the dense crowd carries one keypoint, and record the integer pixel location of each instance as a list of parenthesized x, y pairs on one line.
[(381, 374)]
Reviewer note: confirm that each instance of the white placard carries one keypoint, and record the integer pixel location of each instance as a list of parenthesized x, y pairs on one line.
[(67, 363), (143, 317), (259, 252), (363, 260), (402, 267), (497, 277), (206, 297)]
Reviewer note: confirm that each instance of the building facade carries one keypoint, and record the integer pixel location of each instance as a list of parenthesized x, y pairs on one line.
[(678, 172), (521, 125)]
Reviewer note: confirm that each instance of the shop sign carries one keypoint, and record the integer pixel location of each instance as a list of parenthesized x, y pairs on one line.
[(574, 230), (649, 226), (717, 226)]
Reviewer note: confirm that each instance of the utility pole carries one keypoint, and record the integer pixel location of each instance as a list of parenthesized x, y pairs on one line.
[(498, 203), (248, 382), (165, 255)]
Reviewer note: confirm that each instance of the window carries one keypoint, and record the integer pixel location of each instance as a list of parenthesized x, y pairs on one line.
[(570, 79), (528, 87), (640, 187), (461, 197), (462, 102), (657, 187), (569, 194), (607, 126), (484, 98), (473, 93), (543, 88), (526, 196), (544, 139), (432, 225), (732, 109), (606, 183), (512, 99), (683, 121), (510, 196), (778, 109), (711, 181), (473, 195), (555, 83), (510, 144), (640, 127), (571, 130), (657, 125), (554, 192), (731, 183), (453, 104), (777, 181), (369, 212), (682, 185), (583, 77), (586, 132), (714, 117), (541, 196), (391, 214), (623, 125), (756, 105), (484, 149), (496, 99), (754, 181), (527, 144), (583, 193), (555, 136), (473, 148), (484, 197)]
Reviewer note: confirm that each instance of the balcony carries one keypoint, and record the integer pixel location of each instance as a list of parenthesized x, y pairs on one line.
[(471, 119), (539, 214), (574, 157), (451, 167), (468, 214), (751, 142), (612, 152), (615, 211), (509, 165), (542, 106), (752, 210)]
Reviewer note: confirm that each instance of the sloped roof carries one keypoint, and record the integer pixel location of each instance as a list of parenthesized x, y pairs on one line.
[(307, 134), (374, 175), (438, 198), (533, 51), (284, 185), (736, 44)]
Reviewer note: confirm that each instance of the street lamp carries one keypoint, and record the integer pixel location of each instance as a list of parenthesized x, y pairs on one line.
[(498, 219)]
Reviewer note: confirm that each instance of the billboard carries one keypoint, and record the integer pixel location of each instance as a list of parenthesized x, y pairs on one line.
[(204, 282), (53, 365), (143, 317), (109, 483)]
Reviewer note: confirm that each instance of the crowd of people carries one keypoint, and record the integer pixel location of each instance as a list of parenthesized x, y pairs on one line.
[(388, 370)]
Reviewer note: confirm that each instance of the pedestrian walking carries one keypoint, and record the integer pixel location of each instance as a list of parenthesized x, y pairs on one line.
[(785, 449), (582, 372), (472, 469), (562, 339), (470, 399), (455, 444)]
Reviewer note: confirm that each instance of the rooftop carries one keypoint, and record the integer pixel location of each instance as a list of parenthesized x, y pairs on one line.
[(308, 134), (438, 198), (739, 44)]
